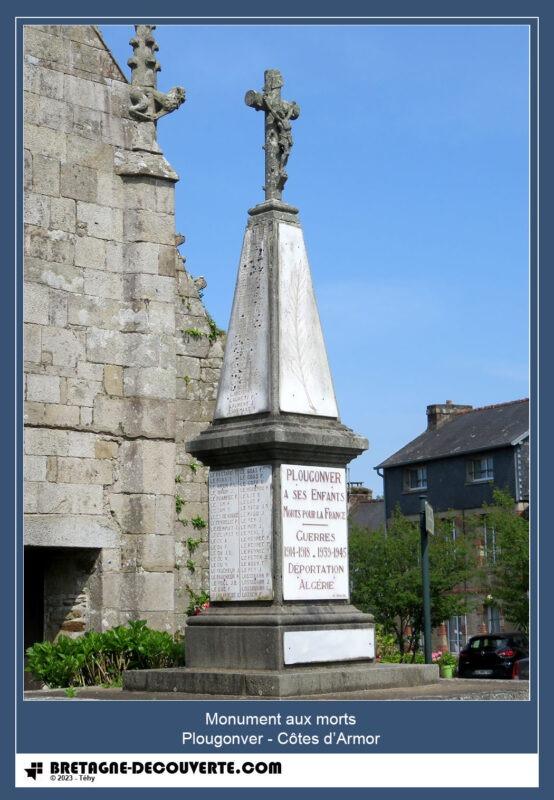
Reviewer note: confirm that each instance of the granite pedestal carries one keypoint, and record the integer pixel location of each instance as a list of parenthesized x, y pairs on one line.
[(327, 680)]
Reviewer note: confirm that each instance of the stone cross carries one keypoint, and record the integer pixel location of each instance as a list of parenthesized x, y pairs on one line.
[(147, 104), (278, 130)]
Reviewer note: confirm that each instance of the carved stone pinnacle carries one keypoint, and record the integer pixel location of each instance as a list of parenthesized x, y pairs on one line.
[(278, 130), (147, 104)]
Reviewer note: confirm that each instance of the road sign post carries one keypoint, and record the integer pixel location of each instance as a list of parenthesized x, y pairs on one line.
[(426, 527)]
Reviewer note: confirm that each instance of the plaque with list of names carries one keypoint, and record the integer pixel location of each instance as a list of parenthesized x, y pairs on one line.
[(240, 534), (315, 539)]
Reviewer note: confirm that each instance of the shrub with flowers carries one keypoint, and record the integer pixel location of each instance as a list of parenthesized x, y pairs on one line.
[(446, 660), (198, 603), (385, 645)]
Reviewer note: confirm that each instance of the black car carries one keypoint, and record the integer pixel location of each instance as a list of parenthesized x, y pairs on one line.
[(492, 655)]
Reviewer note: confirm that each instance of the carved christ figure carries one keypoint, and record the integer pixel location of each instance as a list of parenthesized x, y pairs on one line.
[(278, 130)]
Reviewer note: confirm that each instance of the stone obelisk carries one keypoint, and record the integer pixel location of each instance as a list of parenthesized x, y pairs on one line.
[(280, 623), (279, 583)]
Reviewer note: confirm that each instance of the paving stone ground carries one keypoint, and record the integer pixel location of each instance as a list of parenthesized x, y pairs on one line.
[(455, 689)]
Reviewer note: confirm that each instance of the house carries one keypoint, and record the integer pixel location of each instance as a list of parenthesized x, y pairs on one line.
[(456, 463), (462, 455)]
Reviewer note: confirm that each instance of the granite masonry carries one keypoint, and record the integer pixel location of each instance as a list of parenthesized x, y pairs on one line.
[(121, 358)]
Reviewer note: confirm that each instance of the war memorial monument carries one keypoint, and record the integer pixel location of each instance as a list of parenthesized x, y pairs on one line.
[(280, 623)]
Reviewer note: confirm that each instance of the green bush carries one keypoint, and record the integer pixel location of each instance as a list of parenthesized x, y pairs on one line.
[(448, 660), (387, 651), (403, 658), (386, 646), (97, 659)]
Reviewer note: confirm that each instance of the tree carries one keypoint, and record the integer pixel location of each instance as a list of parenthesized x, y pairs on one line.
[(385, 571), (509, 575)]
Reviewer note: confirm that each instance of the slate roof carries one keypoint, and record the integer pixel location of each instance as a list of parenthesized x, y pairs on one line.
[(369, 514), (472, 431)]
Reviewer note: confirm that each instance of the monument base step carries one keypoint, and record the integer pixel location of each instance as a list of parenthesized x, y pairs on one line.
[(290, 682)]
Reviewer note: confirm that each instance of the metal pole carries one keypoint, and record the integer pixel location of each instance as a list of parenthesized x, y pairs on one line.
[(425, 582)]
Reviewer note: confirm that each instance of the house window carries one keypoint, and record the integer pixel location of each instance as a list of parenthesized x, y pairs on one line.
[(449, 528), (480, 469), (489, 543), (415, 478), (493, 619), (457, 633)]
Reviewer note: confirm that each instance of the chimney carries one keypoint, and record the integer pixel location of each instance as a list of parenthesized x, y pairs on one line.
[(438, 414), (357, 494)]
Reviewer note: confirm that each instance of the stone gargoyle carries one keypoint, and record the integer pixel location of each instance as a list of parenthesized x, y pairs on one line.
[(148, 104)]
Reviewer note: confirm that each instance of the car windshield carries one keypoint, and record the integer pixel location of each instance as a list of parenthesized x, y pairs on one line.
[(488, 643)]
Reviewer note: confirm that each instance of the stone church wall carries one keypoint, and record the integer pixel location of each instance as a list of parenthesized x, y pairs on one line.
[(121, 358)]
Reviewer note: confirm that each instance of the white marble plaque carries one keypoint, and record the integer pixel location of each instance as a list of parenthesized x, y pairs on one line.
[(240, 534), (315, 538), (244, 381), (305, 383), (344, 644)]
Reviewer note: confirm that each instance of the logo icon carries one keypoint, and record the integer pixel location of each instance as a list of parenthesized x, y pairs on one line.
[(34, 770)]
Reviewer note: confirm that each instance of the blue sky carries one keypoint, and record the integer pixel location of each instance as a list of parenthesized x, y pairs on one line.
[(410, 169)]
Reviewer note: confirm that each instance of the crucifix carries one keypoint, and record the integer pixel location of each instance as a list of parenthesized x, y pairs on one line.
[(278, 130)]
